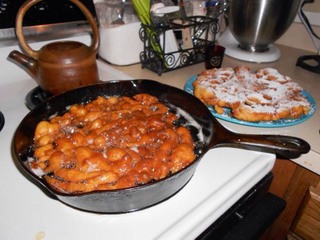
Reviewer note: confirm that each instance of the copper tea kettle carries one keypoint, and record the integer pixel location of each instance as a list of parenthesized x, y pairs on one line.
[(58, 66)]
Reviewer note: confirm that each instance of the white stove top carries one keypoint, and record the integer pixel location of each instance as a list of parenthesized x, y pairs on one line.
[(222, 177)]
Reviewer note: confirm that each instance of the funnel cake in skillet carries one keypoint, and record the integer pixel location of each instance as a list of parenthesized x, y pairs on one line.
[(265, 95), (111, 143)]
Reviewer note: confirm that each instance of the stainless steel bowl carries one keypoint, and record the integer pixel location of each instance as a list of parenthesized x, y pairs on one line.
[(256, 24)]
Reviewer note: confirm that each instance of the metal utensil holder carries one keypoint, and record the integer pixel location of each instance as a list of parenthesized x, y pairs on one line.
[(203, 31)]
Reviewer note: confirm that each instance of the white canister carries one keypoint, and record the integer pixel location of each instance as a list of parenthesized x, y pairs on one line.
[(121, 45)]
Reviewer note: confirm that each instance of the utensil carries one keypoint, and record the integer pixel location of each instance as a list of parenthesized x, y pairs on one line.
[(58, 66), (206, 130)]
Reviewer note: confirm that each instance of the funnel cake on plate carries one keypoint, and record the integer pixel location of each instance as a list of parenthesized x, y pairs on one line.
[(264, 95)]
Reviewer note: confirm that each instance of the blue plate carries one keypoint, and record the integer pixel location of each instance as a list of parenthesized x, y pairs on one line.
[(266, 124)]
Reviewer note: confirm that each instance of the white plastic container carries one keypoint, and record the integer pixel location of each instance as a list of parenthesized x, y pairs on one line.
[(121, 45)]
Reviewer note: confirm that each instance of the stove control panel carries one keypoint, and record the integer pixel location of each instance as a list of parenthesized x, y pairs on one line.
[(56, 15)]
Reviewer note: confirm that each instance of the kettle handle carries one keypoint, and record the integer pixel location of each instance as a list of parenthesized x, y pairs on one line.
[(33, 53)]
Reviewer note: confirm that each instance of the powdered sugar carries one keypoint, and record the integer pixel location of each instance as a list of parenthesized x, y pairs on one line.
[(264, 92)]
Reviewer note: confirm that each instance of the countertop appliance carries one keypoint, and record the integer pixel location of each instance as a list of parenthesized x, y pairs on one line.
[(220, 194), (233, 50), (255, 25)]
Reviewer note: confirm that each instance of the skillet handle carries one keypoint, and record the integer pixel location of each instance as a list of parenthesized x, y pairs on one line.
[(283, 146)]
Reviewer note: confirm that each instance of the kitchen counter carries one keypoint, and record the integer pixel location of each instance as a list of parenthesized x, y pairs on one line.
[(308, 130)]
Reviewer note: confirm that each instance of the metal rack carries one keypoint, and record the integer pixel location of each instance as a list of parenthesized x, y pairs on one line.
[(155, 57)]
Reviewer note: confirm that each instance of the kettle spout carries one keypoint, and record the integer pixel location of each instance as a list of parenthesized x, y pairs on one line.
[(25, 62)]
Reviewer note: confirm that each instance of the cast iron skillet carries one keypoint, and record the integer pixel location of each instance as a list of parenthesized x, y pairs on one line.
[(140, 197)]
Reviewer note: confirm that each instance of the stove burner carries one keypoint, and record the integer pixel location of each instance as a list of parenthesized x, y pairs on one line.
[(35, 97), (1, 121)]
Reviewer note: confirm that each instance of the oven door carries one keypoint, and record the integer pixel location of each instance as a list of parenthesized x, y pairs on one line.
[(249, 217)]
